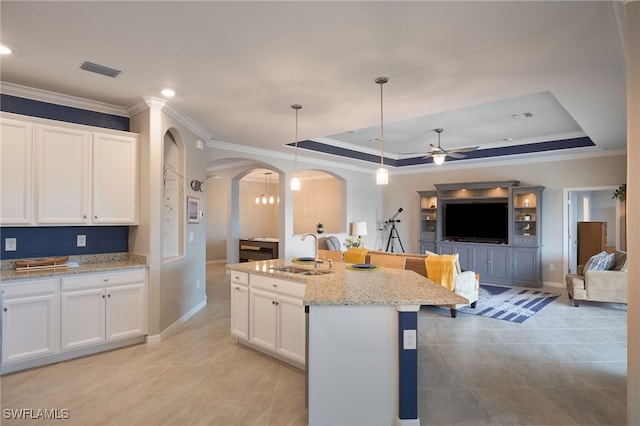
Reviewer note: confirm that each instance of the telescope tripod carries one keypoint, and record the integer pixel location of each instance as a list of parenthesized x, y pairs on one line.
[(393, 235)]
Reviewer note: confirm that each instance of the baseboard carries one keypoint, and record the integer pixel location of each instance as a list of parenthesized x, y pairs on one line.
[(217, 261), (553, 284), (157, 338)]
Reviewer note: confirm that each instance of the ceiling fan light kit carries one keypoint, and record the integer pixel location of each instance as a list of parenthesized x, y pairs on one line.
[(439, 154)]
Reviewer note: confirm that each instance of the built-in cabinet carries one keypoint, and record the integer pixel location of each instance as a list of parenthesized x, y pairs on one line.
[(30, 320), (53, 319), (240, 305), (273, 310), (65, 174), (98, 308), (514, 262)]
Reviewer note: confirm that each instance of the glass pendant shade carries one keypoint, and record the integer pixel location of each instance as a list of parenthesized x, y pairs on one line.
[(295, 183), (382, 176), (439, 159)]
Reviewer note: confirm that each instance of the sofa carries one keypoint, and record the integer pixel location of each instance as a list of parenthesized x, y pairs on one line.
[(602, 279)]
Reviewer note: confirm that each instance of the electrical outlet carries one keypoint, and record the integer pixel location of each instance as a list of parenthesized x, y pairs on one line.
[(190, 237), (198, 284), (10, 244), (552, 267), (409, 339), (81, 240)]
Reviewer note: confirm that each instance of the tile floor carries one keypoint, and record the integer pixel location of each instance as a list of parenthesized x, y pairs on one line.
[(564, 366)]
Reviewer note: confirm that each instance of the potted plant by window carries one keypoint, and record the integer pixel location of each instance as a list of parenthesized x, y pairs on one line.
[(620, 193), (319, 228)]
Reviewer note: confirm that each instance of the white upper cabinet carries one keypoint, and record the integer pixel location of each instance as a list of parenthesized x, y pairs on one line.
[(16, 159), (63, 175), (67, 175), (115, 179)]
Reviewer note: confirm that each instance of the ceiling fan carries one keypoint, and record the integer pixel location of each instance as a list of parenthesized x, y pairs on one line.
[(438, 153)]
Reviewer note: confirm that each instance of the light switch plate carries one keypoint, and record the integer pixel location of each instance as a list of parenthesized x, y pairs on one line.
[(10, 244)]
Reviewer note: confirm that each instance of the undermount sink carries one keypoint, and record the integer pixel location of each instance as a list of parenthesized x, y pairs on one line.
[(300, 271)]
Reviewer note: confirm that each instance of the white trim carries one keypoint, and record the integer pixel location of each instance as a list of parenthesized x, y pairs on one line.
[(408, 308), (157, 338), (59, 99), (407, 422)]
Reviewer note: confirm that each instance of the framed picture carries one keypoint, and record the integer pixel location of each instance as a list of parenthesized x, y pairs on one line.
[(193, 209)]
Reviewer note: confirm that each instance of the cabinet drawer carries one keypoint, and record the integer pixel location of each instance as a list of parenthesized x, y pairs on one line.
[(29, 288), (240, 277), (85, 281), (525, 240), (279, 286)]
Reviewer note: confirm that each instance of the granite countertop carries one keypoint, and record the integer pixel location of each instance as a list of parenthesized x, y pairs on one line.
[(86, 264), (382, 286)]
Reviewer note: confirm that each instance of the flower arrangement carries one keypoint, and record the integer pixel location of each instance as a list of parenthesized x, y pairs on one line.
[(353, 242), (620, 193)]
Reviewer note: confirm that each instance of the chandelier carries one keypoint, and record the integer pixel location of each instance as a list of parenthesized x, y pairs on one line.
[(268, 197)]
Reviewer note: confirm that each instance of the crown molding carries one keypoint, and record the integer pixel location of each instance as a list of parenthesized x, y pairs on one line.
[(60, 99)]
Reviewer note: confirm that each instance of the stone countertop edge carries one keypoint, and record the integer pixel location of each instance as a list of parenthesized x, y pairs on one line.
[(383, 286), (95, 263)]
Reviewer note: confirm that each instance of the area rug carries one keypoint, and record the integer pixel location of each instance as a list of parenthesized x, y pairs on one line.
[(509, 304)]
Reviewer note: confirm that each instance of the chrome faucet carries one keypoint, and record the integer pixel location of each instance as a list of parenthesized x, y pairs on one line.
[(316, 261)]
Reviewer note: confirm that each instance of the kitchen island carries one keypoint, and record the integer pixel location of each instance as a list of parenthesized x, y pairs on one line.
[(361, 356)]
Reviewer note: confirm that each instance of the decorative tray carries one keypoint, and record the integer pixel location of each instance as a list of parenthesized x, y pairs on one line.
[(37, 264)]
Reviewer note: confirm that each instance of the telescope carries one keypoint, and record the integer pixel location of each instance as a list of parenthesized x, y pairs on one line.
[(393, 218)]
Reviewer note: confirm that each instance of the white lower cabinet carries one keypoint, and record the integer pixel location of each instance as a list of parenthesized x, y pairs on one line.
[(240, 305), (276, 317), (30, 325), (99, 308)]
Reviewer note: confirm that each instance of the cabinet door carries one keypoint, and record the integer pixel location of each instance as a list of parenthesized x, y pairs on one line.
[(501, 263), (126, 311), (30, 327), (115, 179), (481, 261), (16, 149), (83, 318), (240, 311), (291, 328), (526, 266), (63, 175), (262, 317)]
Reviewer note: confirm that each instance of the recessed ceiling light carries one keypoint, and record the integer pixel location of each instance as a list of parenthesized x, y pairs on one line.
[(169, 93), (4, 50)]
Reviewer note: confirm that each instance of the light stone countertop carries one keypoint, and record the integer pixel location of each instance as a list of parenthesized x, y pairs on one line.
[(382, 286), (87, 264)]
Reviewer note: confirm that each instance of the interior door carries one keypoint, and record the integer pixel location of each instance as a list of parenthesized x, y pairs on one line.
[(592, 239)]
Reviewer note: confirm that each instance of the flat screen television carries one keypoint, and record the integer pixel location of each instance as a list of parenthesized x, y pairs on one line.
[(482, 222)]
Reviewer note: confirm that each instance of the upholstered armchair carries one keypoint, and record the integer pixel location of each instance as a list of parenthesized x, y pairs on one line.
[(445, 270), (602, 279)]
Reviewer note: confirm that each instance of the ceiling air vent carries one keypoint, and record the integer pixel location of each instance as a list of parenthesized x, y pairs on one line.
[(100, 69), (521, 116)]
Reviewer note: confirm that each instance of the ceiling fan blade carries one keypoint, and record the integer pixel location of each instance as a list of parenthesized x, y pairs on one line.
[(436, 148), (469, 149), (455, 154), (428, 155)]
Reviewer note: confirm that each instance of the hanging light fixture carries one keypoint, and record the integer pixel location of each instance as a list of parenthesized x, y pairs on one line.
[(382, 174), (268, 197), (295, 180), (439, 158)]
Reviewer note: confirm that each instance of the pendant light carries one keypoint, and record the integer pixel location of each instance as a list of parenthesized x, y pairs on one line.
[(295, 180), (268, 197), (438, 159), (382, 174)]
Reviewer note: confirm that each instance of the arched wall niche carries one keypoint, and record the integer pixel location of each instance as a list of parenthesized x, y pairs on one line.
[(173, 202), (321, 199)]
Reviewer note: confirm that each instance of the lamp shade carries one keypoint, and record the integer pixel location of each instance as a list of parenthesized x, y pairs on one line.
[(438, 158), (359, 228)]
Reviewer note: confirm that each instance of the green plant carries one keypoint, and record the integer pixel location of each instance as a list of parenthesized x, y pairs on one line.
[(351, 242), (620, 193)]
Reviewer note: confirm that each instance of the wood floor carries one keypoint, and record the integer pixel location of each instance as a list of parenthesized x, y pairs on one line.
[(564, 366)]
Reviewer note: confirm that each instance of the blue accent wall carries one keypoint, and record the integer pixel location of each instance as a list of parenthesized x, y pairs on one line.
[(61, 241), (50, 111), (407, 369)]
